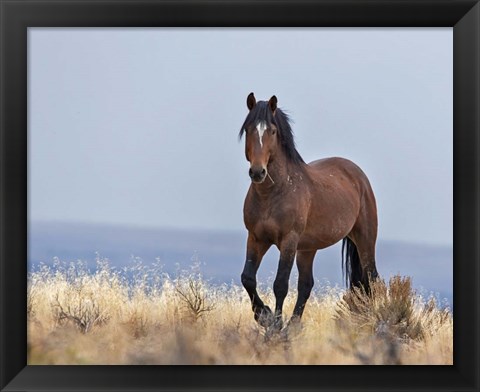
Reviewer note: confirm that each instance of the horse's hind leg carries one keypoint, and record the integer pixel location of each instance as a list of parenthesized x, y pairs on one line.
[(305, 281), (364, 235), (255, 252)]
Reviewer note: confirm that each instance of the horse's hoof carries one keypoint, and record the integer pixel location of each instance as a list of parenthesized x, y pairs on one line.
[(278, 323), (267, 310), (264, 317), (294, 326)]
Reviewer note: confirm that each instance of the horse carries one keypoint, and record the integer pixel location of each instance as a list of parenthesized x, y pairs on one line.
[(301, 208)]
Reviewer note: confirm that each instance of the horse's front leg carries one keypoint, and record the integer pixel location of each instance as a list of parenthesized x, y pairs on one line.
[(255, 252), (288, 249), (305, 281)]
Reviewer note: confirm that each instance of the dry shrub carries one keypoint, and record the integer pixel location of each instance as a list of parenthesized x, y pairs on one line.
[(386, 310), (380, 325), (83, 311), (193, 292), (84, 299)]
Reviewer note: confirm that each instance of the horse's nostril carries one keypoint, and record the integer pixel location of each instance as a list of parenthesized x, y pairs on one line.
[(257, 173)]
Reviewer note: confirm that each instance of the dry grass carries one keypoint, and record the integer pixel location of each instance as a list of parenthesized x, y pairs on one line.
[(78, 317)]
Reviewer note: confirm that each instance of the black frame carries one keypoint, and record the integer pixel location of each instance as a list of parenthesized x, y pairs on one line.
[(17, 15)]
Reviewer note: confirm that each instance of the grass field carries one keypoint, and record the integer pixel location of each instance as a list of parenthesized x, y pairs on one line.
[(102, 317)]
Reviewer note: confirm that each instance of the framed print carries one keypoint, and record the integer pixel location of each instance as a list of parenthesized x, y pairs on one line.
[(123, 242)]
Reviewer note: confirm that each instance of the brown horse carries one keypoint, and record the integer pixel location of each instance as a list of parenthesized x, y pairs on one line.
[(301, 208)]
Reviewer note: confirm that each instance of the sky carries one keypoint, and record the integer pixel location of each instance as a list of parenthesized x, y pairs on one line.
[(140, 126)]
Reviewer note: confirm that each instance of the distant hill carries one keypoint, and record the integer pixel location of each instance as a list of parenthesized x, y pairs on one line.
[(222, 253)]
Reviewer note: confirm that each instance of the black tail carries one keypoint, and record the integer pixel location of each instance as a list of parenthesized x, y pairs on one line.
[(351, 263)]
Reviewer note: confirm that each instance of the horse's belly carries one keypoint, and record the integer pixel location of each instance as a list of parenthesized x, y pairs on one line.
[(314, 242), (326, 233)]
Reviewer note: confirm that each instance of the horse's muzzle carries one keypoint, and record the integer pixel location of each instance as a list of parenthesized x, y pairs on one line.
[(257, 174)]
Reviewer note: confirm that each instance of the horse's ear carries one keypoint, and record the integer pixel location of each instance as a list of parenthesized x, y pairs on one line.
[(273, 103), (251, 101)]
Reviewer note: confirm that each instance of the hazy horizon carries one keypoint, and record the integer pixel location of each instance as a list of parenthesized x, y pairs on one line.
[(221, 254), (140, 226)]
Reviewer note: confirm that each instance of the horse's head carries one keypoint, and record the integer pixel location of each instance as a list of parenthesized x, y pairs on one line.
[(260, 136)]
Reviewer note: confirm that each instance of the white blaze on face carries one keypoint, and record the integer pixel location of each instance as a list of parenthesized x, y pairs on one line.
[(261, 127)]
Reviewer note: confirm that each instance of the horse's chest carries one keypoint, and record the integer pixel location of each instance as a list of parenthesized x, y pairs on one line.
[(268, 230), (272, 222)]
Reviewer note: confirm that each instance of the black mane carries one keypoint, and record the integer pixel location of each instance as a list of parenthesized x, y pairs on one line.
[(261, 112)]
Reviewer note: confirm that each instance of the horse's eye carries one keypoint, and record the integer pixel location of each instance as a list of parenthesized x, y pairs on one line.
[(274, 131)]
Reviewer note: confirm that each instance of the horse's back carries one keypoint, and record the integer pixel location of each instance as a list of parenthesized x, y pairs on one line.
[(331, 169), (334, 163)]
